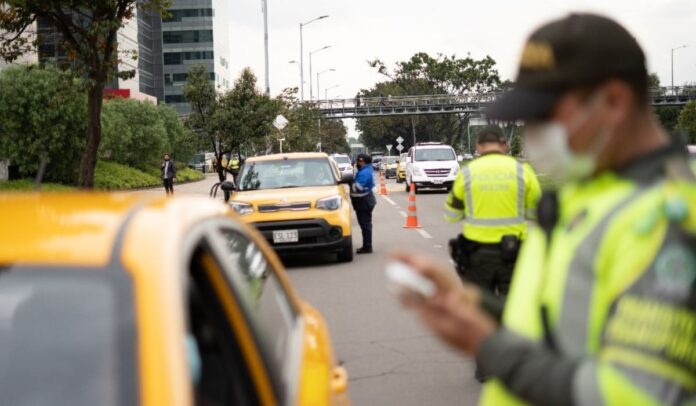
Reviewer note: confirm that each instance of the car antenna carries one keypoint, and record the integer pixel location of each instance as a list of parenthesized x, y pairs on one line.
[(40, 173)]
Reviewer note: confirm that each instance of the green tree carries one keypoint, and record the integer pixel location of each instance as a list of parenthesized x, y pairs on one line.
[(240, 117), (687, 121), (654, 80), (88, 30), (42, 116), (180, 142), (333, 137), (423, 74), (134, 133), (668, 116)]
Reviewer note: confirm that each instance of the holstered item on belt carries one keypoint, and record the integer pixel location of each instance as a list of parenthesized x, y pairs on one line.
[(509, 248), (460, 250)]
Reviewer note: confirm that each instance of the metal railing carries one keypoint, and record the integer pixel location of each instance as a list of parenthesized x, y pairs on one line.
[(469, 103)]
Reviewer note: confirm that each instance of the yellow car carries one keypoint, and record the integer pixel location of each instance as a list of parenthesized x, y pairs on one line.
[(297, 201), (401, 168), (121, 299)]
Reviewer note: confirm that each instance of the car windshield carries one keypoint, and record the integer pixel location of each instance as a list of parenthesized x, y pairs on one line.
[(60, 335), (392, 160), (287, 173), (435, 154), (342, 160)]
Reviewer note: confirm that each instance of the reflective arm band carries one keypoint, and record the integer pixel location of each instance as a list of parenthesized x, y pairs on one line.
[(453, 216)]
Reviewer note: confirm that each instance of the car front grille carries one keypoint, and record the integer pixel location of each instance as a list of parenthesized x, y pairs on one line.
[(271, 208), (437, 173)]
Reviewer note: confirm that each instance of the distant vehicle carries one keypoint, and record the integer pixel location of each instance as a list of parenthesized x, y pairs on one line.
[(298, 202), (95, 294), (431, 165), (389, 165), (401, 168), (468, 157), (202, 161), (692, 151), (344, 163), (377, 162)]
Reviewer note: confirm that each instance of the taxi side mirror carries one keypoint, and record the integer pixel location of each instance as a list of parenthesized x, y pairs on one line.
[(346, 178), (228, 186)]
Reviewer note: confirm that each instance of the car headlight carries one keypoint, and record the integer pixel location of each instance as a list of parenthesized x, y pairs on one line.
[(417, 171), (242, 208), (330, 203), (455, 170)]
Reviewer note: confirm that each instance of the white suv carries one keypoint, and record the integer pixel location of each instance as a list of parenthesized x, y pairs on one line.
[(343, 162), (431, 165)]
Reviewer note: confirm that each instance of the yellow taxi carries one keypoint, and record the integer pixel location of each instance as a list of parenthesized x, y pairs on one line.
[(401, 168), (297, 201), (121, 299)]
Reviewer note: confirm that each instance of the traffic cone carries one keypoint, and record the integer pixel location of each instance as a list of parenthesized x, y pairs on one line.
[(382, 185), (412, 218)]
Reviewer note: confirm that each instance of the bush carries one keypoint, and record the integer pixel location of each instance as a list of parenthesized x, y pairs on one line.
[(188, 175), (44, 115), (26, 185), (113, 176)]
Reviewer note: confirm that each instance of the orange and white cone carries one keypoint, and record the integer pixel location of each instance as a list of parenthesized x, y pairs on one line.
[(412, 218), (382, 185)]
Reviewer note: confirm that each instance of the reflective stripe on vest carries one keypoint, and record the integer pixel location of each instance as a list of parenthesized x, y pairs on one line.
[(503, 221), (573, 321)]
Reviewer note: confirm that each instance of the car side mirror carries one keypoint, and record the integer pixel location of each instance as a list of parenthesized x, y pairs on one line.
[(460, 158), (346, 178), (228, 186)]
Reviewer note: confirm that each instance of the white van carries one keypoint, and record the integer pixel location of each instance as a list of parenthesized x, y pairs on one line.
[(431, 165)]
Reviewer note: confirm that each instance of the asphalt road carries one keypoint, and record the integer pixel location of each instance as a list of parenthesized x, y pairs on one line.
[(391, 359)]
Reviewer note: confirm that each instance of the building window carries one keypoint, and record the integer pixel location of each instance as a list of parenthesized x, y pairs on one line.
[(175, 98), (186, 37), (178, 58), (179, 15)]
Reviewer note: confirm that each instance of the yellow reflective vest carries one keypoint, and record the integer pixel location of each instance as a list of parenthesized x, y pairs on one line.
[(494, 195), (611, 288)]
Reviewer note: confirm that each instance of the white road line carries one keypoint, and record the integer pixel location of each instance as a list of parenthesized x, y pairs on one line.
[(403, 213), (424, 234), (389, 200)]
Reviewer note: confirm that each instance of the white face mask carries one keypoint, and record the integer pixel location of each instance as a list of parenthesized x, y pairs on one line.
[(548, 148)]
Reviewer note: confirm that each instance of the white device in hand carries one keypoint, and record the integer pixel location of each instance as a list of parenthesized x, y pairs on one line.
[(401, 276)]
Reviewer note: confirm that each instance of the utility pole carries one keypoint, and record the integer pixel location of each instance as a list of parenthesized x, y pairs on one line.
[(672, 65), (302, 55), (265, 42)]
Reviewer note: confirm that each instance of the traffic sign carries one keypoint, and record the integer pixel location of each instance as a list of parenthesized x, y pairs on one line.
[(389, 147), (280, 122), (399, 147), (399, 140)]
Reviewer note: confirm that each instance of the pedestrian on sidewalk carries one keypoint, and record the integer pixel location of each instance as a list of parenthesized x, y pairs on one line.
[(363, 200), (168, 175)]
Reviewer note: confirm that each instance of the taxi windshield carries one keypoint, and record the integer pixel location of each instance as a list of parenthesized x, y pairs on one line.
[(435, 154), (342, 160), (287, 173), (63, 329), (392, 160)]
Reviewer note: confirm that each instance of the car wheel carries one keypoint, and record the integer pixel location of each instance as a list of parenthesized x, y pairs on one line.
[(346, 255)]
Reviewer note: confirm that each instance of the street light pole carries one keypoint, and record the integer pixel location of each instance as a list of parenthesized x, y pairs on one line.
[(311, 95), (265, 42), (318, 87), (326, 92), (674, 49), (302, 55)]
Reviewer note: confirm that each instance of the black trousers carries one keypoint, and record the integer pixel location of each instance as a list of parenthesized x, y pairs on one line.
[(489, 271), (364, 216), (168, 185)]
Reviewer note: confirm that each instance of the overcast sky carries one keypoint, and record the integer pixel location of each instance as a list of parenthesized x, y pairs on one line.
[(393, 30)]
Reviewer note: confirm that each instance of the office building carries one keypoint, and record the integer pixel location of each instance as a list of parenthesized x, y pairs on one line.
[(195, 33)]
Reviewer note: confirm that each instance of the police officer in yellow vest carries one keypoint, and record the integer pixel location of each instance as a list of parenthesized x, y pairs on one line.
[(602, 307), (494, 196)]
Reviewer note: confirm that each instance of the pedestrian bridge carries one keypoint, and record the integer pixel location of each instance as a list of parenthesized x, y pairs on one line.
[(470, 103)]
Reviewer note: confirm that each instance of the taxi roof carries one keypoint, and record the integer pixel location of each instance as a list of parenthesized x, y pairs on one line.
[(80, 229), (290, 155)]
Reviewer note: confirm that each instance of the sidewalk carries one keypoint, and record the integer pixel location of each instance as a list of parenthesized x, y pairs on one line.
[(200, 188)]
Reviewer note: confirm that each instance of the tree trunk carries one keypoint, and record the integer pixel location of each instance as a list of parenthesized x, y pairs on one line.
[(89, 156)]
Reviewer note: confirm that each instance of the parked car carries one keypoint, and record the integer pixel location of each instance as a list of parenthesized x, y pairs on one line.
[(431, 165), (202, 162), (298, 202), (122, 299)]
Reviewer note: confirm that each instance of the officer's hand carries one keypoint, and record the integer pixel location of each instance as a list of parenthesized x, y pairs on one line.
[(453, 312)]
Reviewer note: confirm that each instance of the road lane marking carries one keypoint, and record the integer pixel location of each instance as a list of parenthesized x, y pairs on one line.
[(403, 213), (389, 200), (424, 234)]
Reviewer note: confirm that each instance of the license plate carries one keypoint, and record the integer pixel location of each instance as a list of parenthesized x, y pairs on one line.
[(285, 236), (438, 181)]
